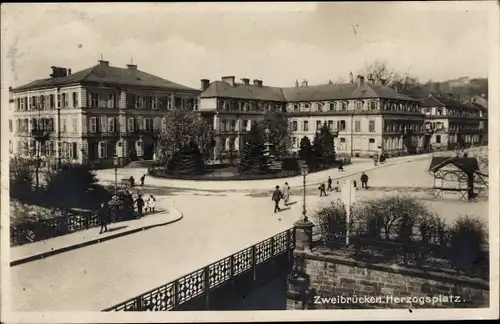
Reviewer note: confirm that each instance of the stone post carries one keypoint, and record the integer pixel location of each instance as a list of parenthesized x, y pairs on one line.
[(297, 295)]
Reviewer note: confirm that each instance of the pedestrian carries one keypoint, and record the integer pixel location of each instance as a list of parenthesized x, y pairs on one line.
[(103, 217), (337, 186), (146, 206), (322, 190), (152, 203), (330, 184), (375, 159), (364, 180), (341, 167), (142, 179), (140, 205), (277, 195), (286, 193), (132, 181), (354, 184), (382, 158)]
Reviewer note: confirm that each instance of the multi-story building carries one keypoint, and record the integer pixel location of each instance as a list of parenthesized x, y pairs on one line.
[(449, 121), (368, 117), (95, 114)]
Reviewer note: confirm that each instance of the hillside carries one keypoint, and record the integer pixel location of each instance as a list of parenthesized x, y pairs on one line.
[(476, 86)]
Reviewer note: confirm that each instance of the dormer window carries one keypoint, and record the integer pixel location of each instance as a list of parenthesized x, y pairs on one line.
[(359, 105), (320, 106), (344, 105), (333, 106), (295, 107), (373, 105), (225, 105), (307, 106)]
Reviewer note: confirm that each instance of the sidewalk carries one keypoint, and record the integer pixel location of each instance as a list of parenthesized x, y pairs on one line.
[(42, 249), (267, 184)]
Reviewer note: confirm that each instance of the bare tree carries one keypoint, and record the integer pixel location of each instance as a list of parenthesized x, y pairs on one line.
[(380, 72)]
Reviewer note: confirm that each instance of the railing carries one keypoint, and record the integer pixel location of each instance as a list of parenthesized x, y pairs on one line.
[(200, 282), (48, 228)]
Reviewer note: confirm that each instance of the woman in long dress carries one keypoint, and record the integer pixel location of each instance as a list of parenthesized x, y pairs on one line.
[(286, 193)]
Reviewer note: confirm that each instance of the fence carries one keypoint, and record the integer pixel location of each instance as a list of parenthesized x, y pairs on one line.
[(211, 286)]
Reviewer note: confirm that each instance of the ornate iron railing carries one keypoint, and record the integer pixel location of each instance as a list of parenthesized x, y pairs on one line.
[(202, 281), (48, 228)]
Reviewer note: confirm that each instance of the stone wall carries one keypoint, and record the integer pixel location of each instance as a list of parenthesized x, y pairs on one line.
[(332, 277)]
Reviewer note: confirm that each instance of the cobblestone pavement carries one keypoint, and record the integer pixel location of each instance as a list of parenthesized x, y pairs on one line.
[(215, 225)]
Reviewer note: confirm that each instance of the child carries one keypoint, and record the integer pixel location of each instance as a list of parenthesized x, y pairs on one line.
[(151, 203)]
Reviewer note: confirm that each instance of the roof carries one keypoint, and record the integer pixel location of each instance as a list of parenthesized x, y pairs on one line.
[(110, 75), (468, 165), (303, 93), (442, 101)]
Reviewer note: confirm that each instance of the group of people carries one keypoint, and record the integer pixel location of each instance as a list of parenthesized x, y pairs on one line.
[(143, 206), (379, 158), (281, 194), (131, 180)]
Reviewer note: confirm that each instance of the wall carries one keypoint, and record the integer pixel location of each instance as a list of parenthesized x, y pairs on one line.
[(336, 274)]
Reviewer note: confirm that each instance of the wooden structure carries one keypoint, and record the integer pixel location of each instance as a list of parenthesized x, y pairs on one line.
[(457, 174)]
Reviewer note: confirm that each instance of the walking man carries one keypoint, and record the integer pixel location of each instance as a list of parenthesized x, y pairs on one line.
[(322, 190), (142, 179), (337, 186), (364, 180), (277, 195), (341, 167), (330, 184), (140, 205), (286, 193), (103, 217)]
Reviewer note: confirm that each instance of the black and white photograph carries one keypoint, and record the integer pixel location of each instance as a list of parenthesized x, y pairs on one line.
[(195, 162)]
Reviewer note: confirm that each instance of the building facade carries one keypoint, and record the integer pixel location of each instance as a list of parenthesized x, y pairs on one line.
[(368, 117), (93, 115), (449, 121)]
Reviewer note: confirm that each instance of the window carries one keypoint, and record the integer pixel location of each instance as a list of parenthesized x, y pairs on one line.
[(11, 147), (74, 151), (196, 104), (10, 125), (307, 106), (164, 124), (305, 126), (130, 124), (342, 145), (111, 124), (295, 108), (342, 125), (233, 125), (75, 99), (103, 126), (18, 125), (139, 123), (294, 142), (359, 105), (65, 100), (371, 126), (320, 107), (138, 102), (111, 100), (63, 125), (344, 105), (102, 150), (333, 106), (294, 126), (330, 124), (318, 124), (373, 105), (92, 125), (94, 100), (438, 139), (74, 124), (357, 126)]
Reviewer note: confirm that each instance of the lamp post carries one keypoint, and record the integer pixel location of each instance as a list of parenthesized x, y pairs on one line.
[(115, 163), (304, 170), (267, 141)]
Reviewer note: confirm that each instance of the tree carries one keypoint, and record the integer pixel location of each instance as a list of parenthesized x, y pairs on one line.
[(324, 145), (182, 128), (306, 151), (253, 159), (188, 160), (379, 71), (21, 178), (279, 131)]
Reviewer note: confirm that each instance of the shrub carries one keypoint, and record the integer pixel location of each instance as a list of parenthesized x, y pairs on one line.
[(467, 236), (332, 221), (21, 179), (290, 164)]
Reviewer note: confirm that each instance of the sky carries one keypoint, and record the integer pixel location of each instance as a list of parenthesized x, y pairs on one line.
[(275, 42)]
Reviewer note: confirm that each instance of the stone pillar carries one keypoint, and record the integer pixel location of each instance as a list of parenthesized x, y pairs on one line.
[(298, 294)]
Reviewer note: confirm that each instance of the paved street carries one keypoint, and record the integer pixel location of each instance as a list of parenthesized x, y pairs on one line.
[(215, 225)]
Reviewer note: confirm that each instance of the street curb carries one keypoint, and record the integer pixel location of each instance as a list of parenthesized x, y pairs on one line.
[(92, 242)]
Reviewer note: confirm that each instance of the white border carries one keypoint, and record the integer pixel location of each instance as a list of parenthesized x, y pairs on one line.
[(310, 315)]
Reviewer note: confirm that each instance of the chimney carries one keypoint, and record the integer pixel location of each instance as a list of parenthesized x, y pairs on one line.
[(361, 80), (257, 82), (304, 83), (229, 79), (69, 71), (132, 66), (103, 63), (330, 81), (205, 83), (245, 81), (296, 83), (10, 89), (351, 77)]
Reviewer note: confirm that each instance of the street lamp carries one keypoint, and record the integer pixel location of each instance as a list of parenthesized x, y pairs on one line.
[(115, 163), (304, 170)]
